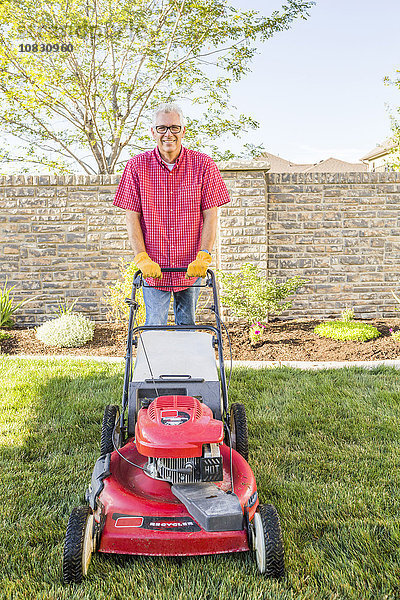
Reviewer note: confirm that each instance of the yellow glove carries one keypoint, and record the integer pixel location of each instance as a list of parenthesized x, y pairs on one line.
[(148, 267), (198, 267)]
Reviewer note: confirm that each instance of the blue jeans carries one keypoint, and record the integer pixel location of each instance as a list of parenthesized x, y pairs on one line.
[(157, 304)]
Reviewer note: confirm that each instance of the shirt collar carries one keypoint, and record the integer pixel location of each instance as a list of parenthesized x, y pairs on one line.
[(177, 161)]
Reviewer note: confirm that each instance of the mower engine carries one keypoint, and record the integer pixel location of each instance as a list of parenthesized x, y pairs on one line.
[(181, 439)]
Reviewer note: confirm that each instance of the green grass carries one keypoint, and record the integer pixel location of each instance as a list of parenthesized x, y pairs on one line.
[(324, 446)]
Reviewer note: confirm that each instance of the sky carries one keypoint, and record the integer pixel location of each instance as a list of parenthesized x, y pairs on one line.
[(317, 89)]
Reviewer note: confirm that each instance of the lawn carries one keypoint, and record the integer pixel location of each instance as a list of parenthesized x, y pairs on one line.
[(324, 446)]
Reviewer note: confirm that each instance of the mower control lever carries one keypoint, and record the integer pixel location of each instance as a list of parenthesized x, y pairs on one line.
[(175, 378), (173, 269)]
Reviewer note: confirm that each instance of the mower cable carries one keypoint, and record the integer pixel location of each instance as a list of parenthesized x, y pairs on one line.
[(187, 471), (124, 457), (218, 318), (230, 456), (145, 352), (148, 364)]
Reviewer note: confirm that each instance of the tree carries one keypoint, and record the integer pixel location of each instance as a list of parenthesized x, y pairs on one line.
[(80, 77), (393, 160)]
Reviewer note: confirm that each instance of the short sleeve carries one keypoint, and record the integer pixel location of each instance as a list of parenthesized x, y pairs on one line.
[(127, 195), (214, 191)]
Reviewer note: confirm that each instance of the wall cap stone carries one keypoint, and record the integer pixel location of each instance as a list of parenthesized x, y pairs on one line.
[(355, 177), (61, 180), (241, 164)]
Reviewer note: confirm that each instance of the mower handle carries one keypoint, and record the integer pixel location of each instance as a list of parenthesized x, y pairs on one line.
[(173, 269), (138, 277), (137, 283)]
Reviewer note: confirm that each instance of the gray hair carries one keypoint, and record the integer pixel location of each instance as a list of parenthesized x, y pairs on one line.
[(169, 107)]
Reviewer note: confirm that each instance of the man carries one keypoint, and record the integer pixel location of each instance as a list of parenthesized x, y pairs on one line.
[(171, 195)]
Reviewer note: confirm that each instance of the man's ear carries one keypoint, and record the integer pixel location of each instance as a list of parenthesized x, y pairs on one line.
[(153, 133), (184, 131)]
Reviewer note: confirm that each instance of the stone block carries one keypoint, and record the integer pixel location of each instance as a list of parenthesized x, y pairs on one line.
[(71, 249), (47, 227), (258, 201), (20, 192), (11, 249), (45, 192), (76, 237), (76, 198), (35, 251), (232, 221), (251, 231), (60, 203)]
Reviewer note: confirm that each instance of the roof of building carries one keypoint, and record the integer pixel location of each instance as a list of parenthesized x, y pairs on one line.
[(334, 165), (380, 150), (330, 165), (281, 165)]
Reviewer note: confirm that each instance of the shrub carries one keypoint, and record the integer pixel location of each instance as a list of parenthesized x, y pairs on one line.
[(347, 315), (396, 297), (347, 331), (256, 333), (121, 289), (65, 309), (4, 335), (251, 296), (67, 331), (395, 335), (6, 306)]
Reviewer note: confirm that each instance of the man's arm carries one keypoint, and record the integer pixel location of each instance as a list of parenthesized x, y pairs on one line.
[(142, 260), (199, 266), (209, 230), (135, 232)]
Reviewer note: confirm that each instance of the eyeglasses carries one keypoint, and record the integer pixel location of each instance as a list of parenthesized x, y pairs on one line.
[(172, 128)]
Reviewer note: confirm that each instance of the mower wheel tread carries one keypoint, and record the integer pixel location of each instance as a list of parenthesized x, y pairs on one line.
[(111, 414), (238, 424), (274, 553), (74, 545)]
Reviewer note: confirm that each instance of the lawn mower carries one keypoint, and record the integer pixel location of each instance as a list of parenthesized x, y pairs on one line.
[(172, 478)]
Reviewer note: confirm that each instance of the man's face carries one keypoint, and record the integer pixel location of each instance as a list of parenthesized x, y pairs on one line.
[(168, 142)]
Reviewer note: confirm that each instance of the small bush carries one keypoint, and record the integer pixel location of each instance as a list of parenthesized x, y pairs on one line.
[(67, 331), (347, 331), (251, 296), (4, 335), (121, 289), (65, 308), (7, 308), (395, 335), (347, 315), (256, 333)]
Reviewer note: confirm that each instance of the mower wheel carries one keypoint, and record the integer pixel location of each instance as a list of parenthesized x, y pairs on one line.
[(79, 545), (268, 542), (110, 419), (239, 432)]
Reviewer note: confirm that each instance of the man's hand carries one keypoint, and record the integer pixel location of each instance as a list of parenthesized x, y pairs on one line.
[(148, 267), (198, 267)]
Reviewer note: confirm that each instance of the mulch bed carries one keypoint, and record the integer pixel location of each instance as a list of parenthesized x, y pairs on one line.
[(284, 340)]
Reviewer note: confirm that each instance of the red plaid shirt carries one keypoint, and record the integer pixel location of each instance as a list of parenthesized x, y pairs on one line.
[(171, 205)]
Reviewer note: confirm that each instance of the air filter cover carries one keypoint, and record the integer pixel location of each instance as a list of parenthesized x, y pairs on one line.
[(176, 427)]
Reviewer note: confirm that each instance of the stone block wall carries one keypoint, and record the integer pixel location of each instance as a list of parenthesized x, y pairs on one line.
[(61, 237), (341, 231)]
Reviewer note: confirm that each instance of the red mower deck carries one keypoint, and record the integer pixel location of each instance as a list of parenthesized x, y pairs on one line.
[(144, 517)]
